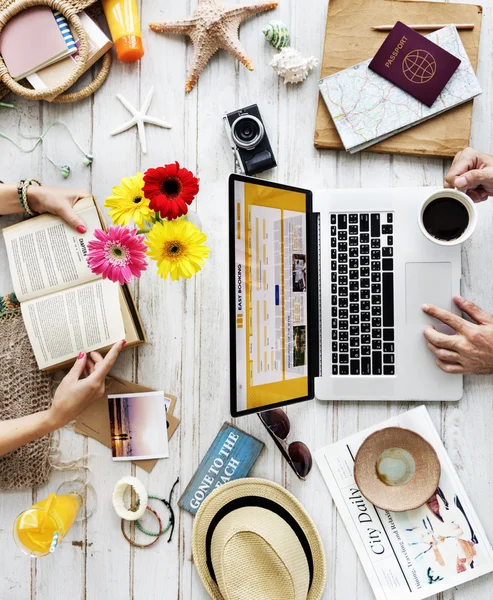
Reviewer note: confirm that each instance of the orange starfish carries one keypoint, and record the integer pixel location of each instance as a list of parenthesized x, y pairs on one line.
[(213, 26)]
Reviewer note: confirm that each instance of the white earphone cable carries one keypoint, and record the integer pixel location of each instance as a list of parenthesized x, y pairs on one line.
[(65, 169)]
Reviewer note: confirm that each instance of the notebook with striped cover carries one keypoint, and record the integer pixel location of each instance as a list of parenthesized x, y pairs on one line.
[(33, 40), (61, 21)]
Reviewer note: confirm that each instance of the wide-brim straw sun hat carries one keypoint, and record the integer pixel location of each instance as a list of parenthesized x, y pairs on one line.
[(253, 540)]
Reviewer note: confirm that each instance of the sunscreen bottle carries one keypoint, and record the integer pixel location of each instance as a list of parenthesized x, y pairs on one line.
[(124, 23)]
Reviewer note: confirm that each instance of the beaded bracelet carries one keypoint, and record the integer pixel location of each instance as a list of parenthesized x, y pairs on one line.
[(22, 193), (166, 528), (19, 191), (171, 521), (131, 542)]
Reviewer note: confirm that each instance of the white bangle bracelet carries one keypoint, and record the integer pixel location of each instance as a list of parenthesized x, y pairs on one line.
[(119, 492)]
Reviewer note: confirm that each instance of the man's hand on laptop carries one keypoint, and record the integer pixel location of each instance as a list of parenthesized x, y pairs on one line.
[(472, 173), (470, 350)]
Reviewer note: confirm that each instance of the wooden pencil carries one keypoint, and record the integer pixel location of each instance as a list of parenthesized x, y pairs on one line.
[(426, 26)]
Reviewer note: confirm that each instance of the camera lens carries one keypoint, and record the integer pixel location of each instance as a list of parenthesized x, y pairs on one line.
[(247, 132)]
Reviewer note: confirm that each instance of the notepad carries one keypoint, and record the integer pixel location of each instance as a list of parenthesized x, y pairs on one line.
[(33, 40)]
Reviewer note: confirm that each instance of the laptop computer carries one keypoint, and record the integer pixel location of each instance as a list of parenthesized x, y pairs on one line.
[(326, 292)]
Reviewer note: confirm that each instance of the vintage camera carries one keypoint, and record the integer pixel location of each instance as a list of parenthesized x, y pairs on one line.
[(248, 139)]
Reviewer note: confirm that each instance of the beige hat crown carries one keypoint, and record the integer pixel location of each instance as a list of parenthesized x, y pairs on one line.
[(252, 540)]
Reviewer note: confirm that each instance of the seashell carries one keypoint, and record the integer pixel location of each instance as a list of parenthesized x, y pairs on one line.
[(278, 34), (291, 65)]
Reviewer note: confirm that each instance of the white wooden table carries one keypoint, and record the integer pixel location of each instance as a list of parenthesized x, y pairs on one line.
[(187, 323)]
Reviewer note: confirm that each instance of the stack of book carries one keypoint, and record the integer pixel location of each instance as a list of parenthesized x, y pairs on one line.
[(38, 44)]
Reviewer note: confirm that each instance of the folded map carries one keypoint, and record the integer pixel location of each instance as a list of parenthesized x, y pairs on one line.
[(366, 108)]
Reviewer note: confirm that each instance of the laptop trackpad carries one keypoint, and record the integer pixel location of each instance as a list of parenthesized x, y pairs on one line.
[(428, 283)]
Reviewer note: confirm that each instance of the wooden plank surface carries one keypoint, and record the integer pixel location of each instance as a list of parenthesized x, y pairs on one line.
[(187, 322)]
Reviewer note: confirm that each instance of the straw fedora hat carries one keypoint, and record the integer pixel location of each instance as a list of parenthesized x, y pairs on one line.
[(252, 540)]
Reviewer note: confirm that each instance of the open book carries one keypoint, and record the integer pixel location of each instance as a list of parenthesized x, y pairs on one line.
[(66, 308)]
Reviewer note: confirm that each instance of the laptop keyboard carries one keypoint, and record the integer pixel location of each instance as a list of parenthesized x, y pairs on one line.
[(362, 293)]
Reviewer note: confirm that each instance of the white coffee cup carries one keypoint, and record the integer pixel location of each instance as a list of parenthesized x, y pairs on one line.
[(461, 197)]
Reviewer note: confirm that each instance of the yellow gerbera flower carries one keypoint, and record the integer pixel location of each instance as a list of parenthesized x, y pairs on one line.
[(178, 248), (128, 202)]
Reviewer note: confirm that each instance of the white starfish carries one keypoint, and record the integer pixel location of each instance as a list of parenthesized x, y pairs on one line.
[(139, 117)]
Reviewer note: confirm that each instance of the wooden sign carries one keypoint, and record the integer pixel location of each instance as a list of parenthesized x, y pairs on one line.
[(231, 456)]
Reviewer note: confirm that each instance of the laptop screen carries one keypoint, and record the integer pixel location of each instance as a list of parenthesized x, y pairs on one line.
[(269, 299)]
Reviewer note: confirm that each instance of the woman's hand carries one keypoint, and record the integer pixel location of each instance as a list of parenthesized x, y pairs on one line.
[(57, 201), (74, 394), (470, 350), (471, 172)]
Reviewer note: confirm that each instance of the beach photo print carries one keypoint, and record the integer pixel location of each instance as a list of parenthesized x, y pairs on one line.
[(138, 426)]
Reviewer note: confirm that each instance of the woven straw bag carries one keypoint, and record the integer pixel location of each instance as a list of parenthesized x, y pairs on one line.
[(68, 8)]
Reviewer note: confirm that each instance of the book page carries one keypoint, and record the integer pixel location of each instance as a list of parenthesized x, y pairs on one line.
[(46, 255), (83, 318), (415, 554)]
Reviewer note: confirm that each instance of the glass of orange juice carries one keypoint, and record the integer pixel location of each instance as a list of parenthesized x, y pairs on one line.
[(38, 530)]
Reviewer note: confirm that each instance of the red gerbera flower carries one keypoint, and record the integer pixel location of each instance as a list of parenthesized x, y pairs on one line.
[(170, 190)]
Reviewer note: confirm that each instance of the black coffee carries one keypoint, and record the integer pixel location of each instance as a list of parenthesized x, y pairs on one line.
[(446, 218)]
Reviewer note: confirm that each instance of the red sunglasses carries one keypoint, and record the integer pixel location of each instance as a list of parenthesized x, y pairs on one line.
[(297, 454)]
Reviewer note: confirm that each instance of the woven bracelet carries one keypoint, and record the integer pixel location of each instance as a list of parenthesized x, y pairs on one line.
[(131, 542), (24, 202)]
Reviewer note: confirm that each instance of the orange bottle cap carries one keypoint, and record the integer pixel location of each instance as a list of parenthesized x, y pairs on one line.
[(129, 48)]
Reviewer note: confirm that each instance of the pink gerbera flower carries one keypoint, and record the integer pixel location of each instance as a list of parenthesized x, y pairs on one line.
[(117, 254)]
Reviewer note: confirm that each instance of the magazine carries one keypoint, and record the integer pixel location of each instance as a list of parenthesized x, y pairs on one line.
[(412, 554)]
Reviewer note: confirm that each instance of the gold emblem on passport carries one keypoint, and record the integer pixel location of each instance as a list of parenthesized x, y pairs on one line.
[(419, 66)]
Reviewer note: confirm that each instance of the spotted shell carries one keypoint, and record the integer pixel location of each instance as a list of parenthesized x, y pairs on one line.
[(278, 34), (292, 66)]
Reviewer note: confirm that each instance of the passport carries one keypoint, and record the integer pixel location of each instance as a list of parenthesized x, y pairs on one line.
[(414, 64)]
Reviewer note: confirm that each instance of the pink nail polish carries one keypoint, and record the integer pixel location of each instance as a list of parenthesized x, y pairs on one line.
[(81, 229), (124, 342), (81, 355)]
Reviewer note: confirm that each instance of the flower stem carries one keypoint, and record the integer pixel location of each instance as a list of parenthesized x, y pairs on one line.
[(143, 231), (156, 218)]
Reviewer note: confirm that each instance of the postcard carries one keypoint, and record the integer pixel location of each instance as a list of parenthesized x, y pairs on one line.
[(413, 554), (95, 420), (138, 425)]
